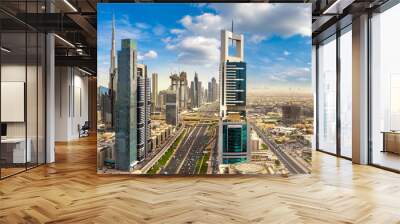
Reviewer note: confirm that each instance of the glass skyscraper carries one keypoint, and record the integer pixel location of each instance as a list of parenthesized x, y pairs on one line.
[(126, 107), (143, 112), (233, 129)]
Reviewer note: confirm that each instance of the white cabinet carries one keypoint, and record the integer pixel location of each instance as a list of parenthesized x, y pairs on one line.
[(19, 155)]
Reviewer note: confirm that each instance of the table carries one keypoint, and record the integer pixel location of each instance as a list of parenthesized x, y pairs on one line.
[(391, 141)]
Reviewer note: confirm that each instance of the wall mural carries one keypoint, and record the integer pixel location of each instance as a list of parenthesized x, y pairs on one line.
[(196, 89)]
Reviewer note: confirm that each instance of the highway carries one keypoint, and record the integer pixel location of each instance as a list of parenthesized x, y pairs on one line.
[(214, 155), (186, 155), (192, 146), (194, 152), (288, 161), (159, 152)]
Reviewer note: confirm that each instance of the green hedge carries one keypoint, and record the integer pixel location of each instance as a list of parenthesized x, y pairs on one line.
[(167, 155), (201, 164)]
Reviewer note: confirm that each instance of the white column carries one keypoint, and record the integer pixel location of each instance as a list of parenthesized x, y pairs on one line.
[(360, 90), (314, 87), (50, 99)]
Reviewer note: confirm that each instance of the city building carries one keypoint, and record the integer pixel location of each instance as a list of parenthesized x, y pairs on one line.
[(171, 108), (183, 91), (291, 114), (191, 94), (143, 112), (212, 91), (104, 105), (112, 86), (200, 92), (254, 142), (154, 92), (209, 92), (233, 128), (174, 82), (195, 88), (214, 88), (126, 107), (161, 99), (180, 85)]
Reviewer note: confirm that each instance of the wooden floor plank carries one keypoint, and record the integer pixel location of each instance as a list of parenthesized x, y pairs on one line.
[(70, 191)]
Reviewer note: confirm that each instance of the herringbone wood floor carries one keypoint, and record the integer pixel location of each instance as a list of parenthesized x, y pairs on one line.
[(70, 191)]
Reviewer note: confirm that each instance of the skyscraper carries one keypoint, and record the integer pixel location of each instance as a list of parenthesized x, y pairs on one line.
[(171, 107), (200, 93), (183, 91), (143, 112), (112, 85), (174, 82), (191, 95), (210, 92), (179, 84), (291, 113), (148, 114), (214, 85), (161, 99), (196, 89), (154, 92), (233, 128), (126, 107)]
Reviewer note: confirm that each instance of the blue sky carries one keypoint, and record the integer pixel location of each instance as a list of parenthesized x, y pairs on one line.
[(176, 37)]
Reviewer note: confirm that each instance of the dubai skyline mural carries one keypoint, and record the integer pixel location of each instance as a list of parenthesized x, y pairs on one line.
[(194, 89)]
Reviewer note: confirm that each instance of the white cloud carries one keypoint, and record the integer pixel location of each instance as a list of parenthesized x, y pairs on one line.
[(159, 30), (206, 24), (142, 25), (177, 31), (286, 53), (268, 19), (199, 42), (151, 54), (170, 47), (291, 74), (259, 21), (257, 38), (198, 50)]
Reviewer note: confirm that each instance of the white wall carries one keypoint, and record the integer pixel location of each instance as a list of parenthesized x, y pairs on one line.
[(16, 73), (71, 102), (34, 125)]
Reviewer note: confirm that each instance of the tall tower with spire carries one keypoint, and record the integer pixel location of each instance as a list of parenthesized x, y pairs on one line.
[(233, 142), (113, 75)]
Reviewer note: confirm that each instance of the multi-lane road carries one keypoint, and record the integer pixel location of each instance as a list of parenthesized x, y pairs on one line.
[(289, 162), (189, 151), (195, 152), (214, 155)]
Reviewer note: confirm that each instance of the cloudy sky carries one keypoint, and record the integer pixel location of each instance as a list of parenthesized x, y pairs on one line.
[(176, 37)]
